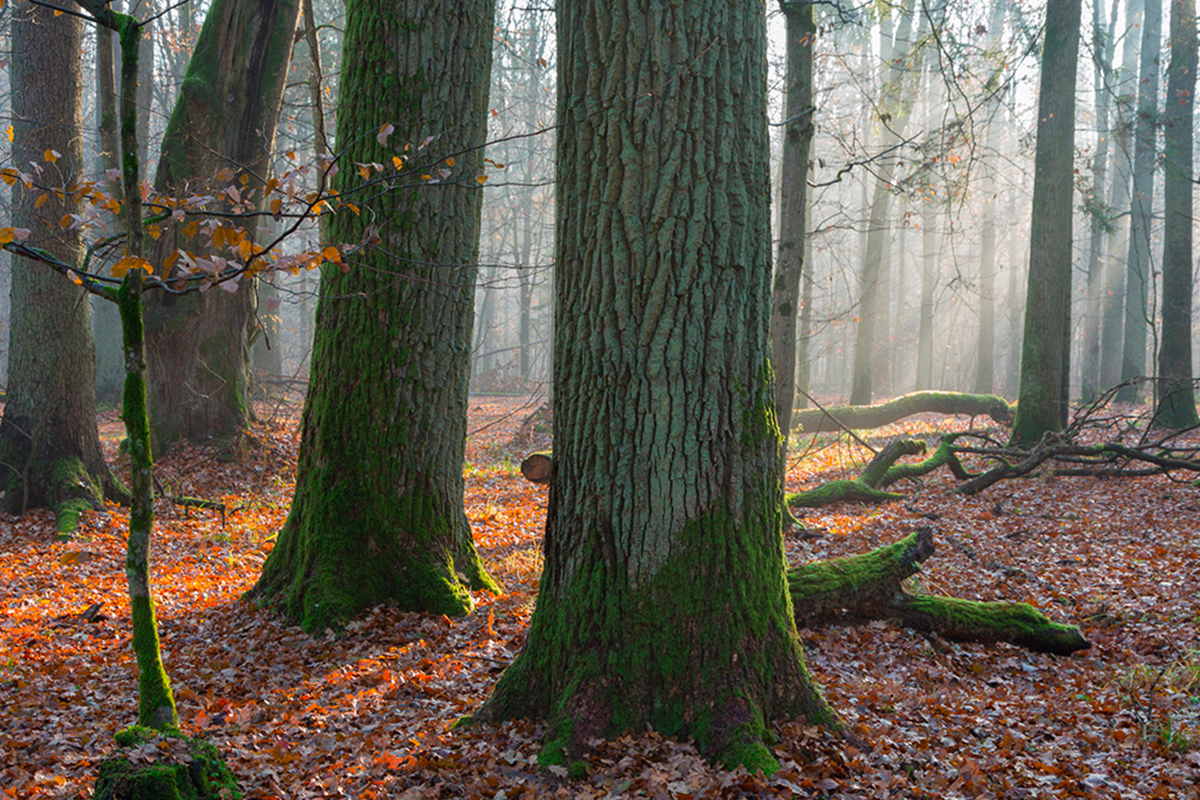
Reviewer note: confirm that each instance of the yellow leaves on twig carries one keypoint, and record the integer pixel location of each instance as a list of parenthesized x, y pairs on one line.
[(127, 263)]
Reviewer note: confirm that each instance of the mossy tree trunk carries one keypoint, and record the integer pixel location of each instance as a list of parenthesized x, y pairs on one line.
[(49, 447), (221, 131), (818, 420), (1045, 356), (1176, 393), (797, 140), (378, 508), (663, 600)]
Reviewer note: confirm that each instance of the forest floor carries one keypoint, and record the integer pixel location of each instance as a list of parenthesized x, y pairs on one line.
[(369, 714)]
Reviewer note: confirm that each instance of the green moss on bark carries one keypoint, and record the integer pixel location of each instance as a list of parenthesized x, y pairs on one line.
[(199, 774)]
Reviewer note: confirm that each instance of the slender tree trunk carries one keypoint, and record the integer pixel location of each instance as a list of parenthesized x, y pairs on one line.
[(898, 90), (1113, 329), (663, 601), (106, 319), (1137, 282), (221, 132), (929, 276), (804, 340), (797, 140), (378, 507), (1042, 405), (1103, 44), (1176, 395), (49, 449)]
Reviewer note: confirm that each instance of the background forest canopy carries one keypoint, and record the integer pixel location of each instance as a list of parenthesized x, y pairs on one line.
[(933, 121), (223, 208)]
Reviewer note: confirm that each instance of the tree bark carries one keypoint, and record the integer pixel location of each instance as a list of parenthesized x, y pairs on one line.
[(824, 420), (1045, 356), (106, 319), (797, 140), (49, 446), (221, 131), (377, 512), (663, 600), (1138, 274), (1176, 392)]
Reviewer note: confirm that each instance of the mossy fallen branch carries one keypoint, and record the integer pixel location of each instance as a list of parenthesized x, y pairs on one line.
[(868, 586), (823, 420), (880, 473)]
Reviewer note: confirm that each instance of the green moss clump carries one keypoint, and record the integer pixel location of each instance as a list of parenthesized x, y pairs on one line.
[(201, 775)]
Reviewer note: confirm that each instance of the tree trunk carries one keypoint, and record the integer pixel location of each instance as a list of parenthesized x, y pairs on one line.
[(1113, 329), (797, 140), (106, 319), (1103, 44), (1041, 407), (378, 508), (663, 600), (1138, 275), (226, 114), (1176, 394), (894, 107), (49, 446)]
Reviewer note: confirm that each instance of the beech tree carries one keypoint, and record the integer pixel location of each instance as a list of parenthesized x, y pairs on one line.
[(378, 512), (1045, 356), (663, 600), (49, 446)]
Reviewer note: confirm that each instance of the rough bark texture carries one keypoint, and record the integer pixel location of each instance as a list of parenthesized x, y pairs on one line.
[(378, 508), (225, 118), (49, 449), (663, 600), (1045, 356), (822, 420), (1139, 268), (1176, 394), (869, 586), (793, 191)]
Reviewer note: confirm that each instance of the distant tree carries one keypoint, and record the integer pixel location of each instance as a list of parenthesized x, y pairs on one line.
[(1176, 395), (797, 141), (1045, 357), (663, 600), (1138, 275), (49, 447), (377, 512), (219, 138)]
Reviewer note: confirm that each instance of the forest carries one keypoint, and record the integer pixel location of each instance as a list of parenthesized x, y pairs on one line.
[(635, 399)]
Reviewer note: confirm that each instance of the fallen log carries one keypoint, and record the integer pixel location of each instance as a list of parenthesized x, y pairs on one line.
[(869, 586), (825, 420)]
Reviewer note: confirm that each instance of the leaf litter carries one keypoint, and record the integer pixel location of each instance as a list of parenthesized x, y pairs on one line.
[(370, 714)]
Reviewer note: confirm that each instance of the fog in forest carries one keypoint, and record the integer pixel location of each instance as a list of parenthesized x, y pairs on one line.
[(921, 176)]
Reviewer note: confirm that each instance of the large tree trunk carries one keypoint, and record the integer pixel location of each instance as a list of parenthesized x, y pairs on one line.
[(49, 447), (797, 139), (663, 600), (378, 508), (1045, 356), (1138, 269), (222, 130), (1176, 395), (106, 320)]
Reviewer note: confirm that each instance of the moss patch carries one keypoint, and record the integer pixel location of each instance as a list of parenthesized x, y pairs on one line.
[(167, 766)]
